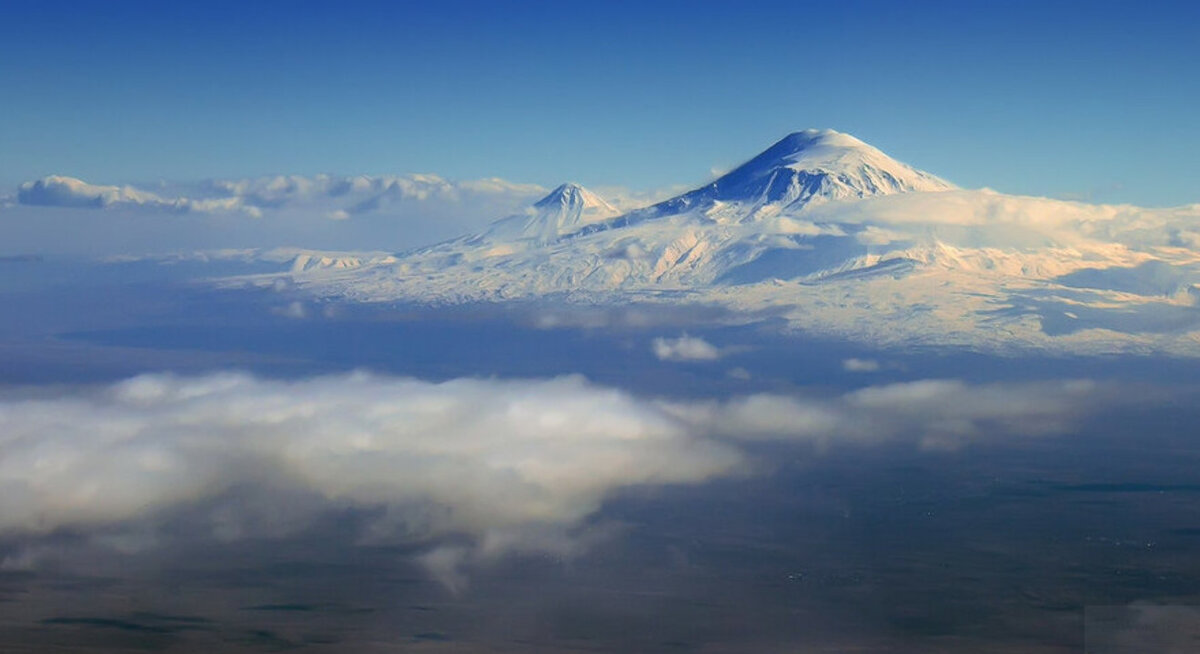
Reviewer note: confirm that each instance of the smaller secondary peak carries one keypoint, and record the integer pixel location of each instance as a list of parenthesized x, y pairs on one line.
[(571, 195), (566, 209), (568, 190)]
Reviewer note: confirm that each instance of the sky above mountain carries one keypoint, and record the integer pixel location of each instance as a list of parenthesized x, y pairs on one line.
[(1029, 98)]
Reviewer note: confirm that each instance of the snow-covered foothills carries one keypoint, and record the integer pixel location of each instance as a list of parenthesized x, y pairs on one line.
[(832, 235)]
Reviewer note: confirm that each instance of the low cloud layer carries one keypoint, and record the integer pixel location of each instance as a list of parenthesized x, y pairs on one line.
[(471, 468)]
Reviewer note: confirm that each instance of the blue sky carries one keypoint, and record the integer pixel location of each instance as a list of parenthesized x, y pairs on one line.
[(1094, 100)]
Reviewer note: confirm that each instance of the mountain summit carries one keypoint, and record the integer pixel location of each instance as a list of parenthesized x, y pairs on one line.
[(572, 198), (825, 164), (810, 166)]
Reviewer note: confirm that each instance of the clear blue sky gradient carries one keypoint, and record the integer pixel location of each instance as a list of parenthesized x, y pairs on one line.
[(1093, 99)]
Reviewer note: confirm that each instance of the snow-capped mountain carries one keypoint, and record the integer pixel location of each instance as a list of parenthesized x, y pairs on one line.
[(565, 210), (808, 167), (839, 238)]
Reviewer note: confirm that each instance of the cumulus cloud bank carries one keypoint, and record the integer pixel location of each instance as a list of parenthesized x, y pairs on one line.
[(60, 191), (470, 468), (358, 195), (58, 214), (489, 454)]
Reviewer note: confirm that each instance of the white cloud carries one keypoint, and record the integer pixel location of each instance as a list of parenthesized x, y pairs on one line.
[(60, 191), (685, 348), (57, 214), (57, 190), (472, 469), (860, 365), (295, 310), (345, 197), (930, 413), (341, 197), (485, 455)]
